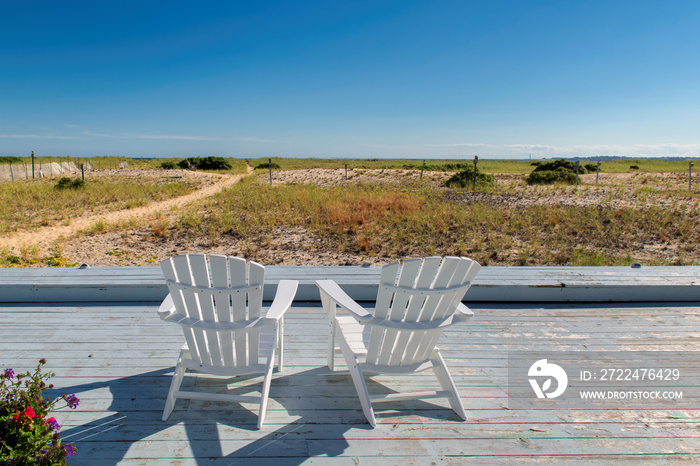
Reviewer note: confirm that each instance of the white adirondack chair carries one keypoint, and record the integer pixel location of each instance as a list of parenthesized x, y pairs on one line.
[(221, 317), (415, 303)]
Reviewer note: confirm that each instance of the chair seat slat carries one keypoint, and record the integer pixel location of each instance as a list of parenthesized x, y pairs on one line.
[(219, 326)]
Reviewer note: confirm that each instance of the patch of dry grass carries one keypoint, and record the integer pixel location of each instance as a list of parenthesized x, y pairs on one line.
[(30, 204), (387, 222)]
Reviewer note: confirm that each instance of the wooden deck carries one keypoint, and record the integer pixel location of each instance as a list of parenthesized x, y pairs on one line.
[(504, 284), (118, 357)]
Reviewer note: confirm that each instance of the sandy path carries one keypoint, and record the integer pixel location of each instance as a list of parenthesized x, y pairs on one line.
[(45, 237)]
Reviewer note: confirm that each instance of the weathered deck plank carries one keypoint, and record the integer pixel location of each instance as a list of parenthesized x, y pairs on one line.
[(504, 284), (118, 357)]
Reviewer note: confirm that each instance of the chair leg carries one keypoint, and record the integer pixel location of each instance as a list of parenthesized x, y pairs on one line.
[(445, 379), (330, 308), (280, 345), (174, 387), (331, 345), (266, 389), (358, 380)]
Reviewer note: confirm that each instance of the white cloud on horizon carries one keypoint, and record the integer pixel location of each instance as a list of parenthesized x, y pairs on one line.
[(258, 140), (464, 144), (159, 136), (35, 136), (99, 135), (84, 131), (310, 147), (631, 150)]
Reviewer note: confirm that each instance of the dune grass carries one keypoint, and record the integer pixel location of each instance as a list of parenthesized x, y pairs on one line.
[(390, 223), (386, 221), (30, 204)]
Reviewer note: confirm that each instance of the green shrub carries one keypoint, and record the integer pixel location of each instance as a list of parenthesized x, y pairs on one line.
[(10, 159), (205, 163), (557, 164), (13, 259), (551, 176), (67, 183), (591, 167), (557, 171), (275, 166), (168, 165), (465, 179), (634, 167)]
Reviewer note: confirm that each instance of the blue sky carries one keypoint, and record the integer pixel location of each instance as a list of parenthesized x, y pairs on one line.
[(359, 79)]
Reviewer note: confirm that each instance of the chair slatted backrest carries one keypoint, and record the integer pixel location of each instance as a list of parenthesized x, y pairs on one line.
[(232, 292), (422, 290)]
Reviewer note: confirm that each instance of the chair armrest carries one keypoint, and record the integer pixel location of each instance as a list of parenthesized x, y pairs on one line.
[(336, 294), (463, 312), (167, 307), (286, 290)]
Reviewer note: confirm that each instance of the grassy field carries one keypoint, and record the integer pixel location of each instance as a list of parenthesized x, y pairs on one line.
[(30, 204), (488, 166), (394, 221), (484, 165), (644, 214)]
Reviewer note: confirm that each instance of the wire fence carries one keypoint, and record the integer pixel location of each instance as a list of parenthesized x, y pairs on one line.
[(24, 171)]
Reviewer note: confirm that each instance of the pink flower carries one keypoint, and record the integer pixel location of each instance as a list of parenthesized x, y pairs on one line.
[(29, 412), (52, 423)]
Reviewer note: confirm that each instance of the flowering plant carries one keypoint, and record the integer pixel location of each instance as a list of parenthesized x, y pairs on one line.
[(27, 434)]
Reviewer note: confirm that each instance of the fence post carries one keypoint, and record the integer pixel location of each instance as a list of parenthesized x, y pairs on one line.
[(82, 169), (476, 159), (33, 176), (421, 170), (12, 175), (690, 176), (576, 170), (597, 170), (346, 171), (269, 164)]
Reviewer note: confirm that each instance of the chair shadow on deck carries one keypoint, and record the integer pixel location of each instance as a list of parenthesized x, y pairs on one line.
[(127, 422), (310, 432), (136, 408), (137, 403)]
